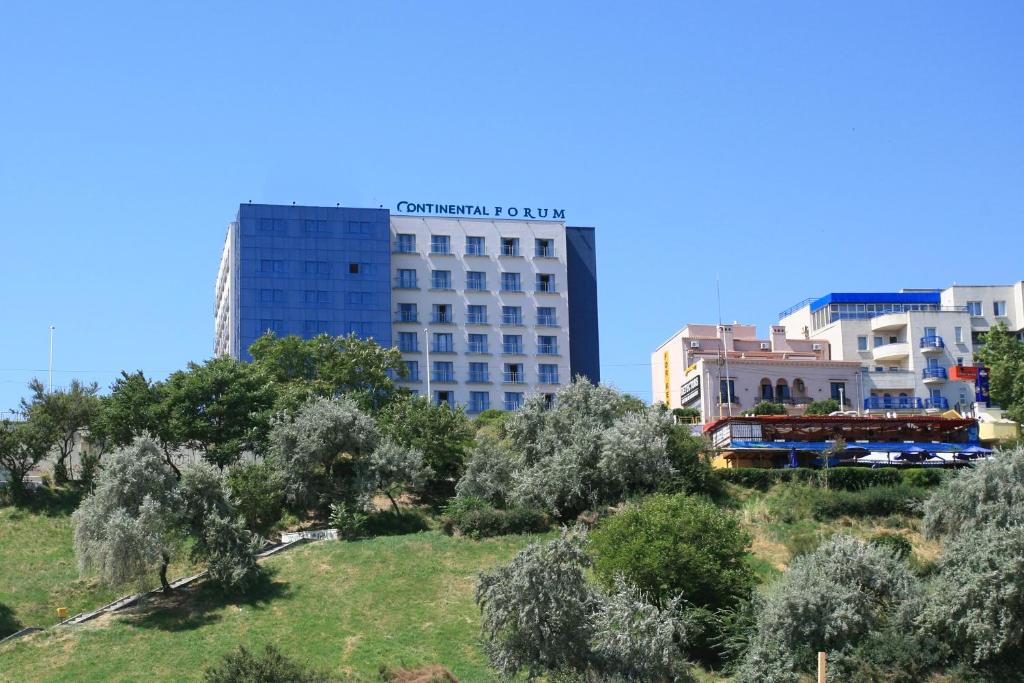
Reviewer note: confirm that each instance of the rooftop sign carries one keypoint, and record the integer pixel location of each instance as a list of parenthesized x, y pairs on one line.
[(473, 210)]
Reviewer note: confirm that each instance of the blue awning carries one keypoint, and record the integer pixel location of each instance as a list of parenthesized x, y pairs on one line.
[(818, 446)]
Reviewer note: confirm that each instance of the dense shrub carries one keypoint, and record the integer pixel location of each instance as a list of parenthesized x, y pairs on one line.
[(349, 520), (897, 544), (767, 408), (488, 473), (841, 478), (686, 455), (257, 491), (229, 549), (857, 478), (875, 501), (675, 546), (925, 477), (477, 519), (269, 666), (828, 600), (825, 407), (990, 493)]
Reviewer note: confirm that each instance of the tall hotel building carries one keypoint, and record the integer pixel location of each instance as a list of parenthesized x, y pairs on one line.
[(493, 309)]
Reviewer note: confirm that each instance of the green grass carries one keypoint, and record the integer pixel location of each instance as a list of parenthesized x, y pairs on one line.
[(344, 607)]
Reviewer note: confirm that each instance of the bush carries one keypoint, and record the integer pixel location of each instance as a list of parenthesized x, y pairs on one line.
[(858, 478), (924, 477), (877, 501), (686, 455), (675, 546), (828, 600), (896, 544), (477, 518), (826, 407), (270, 666), (991, 493), (768, 408), (349, 520), (257, 491), (488, 473)]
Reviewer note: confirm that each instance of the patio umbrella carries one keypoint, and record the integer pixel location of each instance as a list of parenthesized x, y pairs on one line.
[(913, 454), (793, 462), (973, 452)]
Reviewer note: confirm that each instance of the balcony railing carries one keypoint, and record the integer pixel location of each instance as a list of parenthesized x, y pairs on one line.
[(442, 348), (932, 341), (477, 347), (404, 247), (443, 376), (547, 349), (547, 321), (940, 402), (509, 347), (549, 378), (510, 250), (474, 249), (905, 403), (511, 319), (513, 378), (479, 377), (546, 286), (411, 376), (513, 405), (510, 286), (405, 283), (406, 317), (476, 286), (441, 283), (441, 319), (478, 406), (409, 348), (545, 252), (476, 318), (934, 373)]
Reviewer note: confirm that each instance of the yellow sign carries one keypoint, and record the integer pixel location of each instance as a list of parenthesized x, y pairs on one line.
[(690, 369), (668, 384)]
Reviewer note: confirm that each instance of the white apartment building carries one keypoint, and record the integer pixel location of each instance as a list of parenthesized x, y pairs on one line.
[(988, 305), (722, 370), (906, 343)]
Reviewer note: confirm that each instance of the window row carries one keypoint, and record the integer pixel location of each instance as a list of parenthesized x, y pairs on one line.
[(314, 227), (479, 401), (480, 373), (281, 267), (476, 314), (444, 342), (475, 245), (314, 296), (475, 281), (310, 328)]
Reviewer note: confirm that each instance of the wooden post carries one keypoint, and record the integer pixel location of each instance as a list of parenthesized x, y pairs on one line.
[(822, 662)]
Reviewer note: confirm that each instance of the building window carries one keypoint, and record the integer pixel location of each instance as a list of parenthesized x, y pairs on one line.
[(879, 341), (958, 334), (862, 343), (271, 266), (475, 246), (547, 345), (512, 343), (548, 374), (441, 314), (406, 279), (408, 342), (974, 308), (546, 316), (479, 401), (510, 246), (353, 269), (477, 343), (476, 281), (511, 315), (545, 282), (312, 296), (999, 308), (444, 371), (513, 373), (412, 370), (544, 248), (478, 372), (476, 314), (318, 268), (407, 313), (444, 398), (441, 279), (838, 392), (405, 244), (275, 326), (440, 244), (314, 327), (513, 400), (510, 282), (443, 343), (271, 296), (727, 390), (879, 368)]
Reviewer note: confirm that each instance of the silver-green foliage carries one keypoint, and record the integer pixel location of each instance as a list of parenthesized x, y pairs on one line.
[(992, 493), (977, 600), (828, 600), (128, 526), (313, 449), (542, 617), (391, 466), (633, 455), (488, 472)]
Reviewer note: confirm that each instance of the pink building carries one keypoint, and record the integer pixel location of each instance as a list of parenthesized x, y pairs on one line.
[(723, 370)]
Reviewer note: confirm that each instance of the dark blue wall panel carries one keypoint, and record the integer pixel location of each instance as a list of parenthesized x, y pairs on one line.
[(305, 270), (581, 262)]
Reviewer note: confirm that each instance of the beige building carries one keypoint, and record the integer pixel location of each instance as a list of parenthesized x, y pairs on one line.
[(723, 370), (988, 305)]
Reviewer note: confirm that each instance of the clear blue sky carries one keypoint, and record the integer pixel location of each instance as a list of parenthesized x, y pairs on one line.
[(792, 148)]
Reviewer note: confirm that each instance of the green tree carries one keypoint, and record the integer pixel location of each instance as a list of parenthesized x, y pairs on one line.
[(66, 413), (441, 433), (675, 546), (391, 467), (768, 408), (825, 407), (23, 445), (269, 666), (221, 408), (1003, 354), (328, 366), (257, 491)]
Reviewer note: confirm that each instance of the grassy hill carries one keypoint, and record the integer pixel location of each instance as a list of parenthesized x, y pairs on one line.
[(344, 607)]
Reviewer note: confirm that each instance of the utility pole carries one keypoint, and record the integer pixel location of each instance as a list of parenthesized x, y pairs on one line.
[(426, 341), (49, 380)]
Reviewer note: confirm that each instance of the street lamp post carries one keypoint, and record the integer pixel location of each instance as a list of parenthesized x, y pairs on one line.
[(426, 342), (49, 380)]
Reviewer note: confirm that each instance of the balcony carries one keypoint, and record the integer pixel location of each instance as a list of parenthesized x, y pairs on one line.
[(547, 349), (406, 317), (401, 247), (441, 319), (888, 322), (477, 347), (546, 286), (545, 252), (479, 378), (905, 403), (936, 403), (476, 319), (442, 348), (442, 377), (513, 405), (891, 351), (934, 375), (478, 406), (890, 381), (547, 321), (406, 283), (932, 344), (514, 378), (512, 320), (549, 378), (512, 349)]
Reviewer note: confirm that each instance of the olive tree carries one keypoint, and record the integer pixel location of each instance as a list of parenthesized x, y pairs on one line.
[(390, 467), (128, 527), (488, 473), (992, 493), (829, 599), (66, 412)]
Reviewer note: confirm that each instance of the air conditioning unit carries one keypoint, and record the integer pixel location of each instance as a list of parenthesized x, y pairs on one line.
[(765, 346), (695, 345), (815, 347)]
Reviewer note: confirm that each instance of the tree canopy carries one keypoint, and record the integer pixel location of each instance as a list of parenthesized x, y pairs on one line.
[(1003, 354)]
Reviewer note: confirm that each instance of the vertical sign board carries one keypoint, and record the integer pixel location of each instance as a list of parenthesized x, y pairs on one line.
[(668, 391), (981, 388)]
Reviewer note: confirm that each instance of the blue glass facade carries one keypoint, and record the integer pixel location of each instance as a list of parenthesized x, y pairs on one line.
[(581, 266), (308, 270)]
